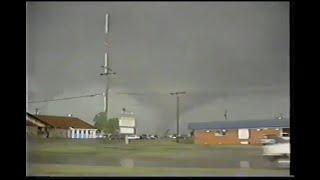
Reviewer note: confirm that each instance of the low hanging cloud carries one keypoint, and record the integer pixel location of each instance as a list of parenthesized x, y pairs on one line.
[(221, 53)]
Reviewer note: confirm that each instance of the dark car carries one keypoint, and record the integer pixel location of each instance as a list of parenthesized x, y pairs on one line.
[(153, 136), (143, 136), (156, 136), (183, 136), (117, 137)]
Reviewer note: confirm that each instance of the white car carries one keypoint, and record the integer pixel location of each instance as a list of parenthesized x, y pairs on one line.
[(267, 141), (278, 153), (278, 149), (273, 139), (131, 137), (173, 136)]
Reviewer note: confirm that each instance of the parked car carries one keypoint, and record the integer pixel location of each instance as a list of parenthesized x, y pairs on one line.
[(172, 136), (183, 136), (153, 136), (117, 137), (131, 137), (268, 139), (278, 153), (100, 135), (143, 136)]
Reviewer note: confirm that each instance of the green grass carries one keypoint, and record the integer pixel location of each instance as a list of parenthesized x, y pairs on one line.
[(146, 149), (163, 150), (44, 152)]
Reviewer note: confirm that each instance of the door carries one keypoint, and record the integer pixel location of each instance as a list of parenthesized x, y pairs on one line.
[(243, 135)]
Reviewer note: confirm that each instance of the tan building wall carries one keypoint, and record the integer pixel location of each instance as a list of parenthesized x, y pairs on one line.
[(256, 136), (58, 133), (33, 131), (231, 137)]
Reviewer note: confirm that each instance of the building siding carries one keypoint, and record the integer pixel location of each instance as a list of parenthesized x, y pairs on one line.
[(57, 127), (231, 137), (32, 131), (58, 133)]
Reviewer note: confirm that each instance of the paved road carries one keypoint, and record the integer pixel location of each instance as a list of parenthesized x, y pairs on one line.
[(85, 170)]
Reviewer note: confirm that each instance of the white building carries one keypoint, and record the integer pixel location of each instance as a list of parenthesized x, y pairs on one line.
[(59, 126)]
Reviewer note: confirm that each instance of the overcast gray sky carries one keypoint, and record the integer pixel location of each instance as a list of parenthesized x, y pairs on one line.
[(225, 55)]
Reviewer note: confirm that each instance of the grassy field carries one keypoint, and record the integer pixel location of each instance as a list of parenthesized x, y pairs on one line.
[(55, 157)]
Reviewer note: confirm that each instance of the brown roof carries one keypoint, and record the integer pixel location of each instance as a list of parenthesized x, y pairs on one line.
[(64, 122), (30, 123), (37, 119)]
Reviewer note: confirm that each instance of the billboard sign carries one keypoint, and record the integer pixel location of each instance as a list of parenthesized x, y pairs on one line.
[(127, 122), (126, 130)]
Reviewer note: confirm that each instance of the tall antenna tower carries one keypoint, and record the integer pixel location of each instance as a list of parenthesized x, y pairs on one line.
[(106, 69)]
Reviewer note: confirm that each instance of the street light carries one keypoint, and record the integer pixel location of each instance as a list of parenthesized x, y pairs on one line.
[(177, 96)]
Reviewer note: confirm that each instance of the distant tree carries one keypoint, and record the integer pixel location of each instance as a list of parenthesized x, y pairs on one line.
[(192, 133), (113, 126), (110, 126)]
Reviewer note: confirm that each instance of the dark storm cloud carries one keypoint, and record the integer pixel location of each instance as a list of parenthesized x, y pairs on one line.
[(213, 50)]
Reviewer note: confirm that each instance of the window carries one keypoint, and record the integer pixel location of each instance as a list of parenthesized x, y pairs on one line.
[(286, 130), (220, 132), (224, 132), (258, 129)]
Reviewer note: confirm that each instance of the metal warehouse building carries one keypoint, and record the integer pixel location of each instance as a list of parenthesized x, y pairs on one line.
[(238, 132)]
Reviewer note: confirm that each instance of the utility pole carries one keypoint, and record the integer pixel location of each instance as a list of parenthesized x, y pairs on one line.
[(177, 96), (107, 71)]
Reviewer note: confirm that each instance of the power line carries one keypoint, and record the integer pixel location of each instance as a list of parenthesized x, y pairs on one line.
[(67, 98), (83, 96)]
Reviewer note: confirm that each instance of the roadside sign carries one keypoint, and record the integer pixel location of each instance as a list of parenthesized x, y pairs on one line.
[(126, 130), (127, 122), (127, 126)]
